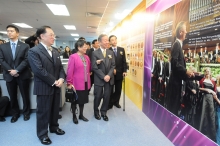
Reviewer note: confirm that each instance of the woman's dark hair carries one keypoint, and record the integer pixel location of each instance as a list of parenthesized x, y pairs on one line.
[(79, 44), (16, 29), (41, 30), (65, 49)]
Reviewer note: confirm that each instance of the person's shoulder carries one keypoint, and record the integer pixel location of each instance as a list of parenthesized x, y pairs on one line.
[(120, 48), (4, 45)]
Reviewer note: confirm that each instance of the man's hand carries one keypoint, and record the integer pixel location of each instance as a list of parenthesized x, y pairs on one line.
[(12, 72), (16, 75), (107, 78), (114, 72), (124, 74), (59, 83), (99, 61), (190, 73), (152, 75), (193, 91)]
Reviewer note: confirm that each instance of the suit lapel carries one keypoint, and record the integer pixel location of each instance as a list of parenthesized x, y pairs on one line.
[(9, 50), (44, 51)]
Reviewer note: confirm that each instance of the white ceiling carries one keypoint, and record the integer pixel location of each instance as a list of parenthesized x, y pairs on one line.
[(35, 13)]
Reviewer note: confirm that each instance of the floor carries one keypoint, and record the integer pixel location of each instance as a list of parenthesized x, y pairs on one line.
[(124, 128)]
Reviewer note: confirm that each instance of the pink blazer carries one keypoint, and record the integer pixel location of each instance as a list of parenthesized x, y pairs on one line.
[(75, 72)]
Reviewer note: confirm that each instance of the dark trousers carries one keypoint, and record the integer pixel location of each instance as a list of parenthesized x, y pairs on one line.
[(13, 91), (115, 93), (47, 113), (99, 93), (3, 105)]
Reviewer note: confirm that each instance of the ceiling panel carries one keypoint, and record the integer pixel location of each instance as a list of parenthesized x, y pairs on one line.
[(35, 13)]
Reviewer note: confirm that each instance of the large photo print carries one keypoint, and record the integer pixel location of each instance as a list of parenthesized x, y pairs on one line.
[(185, 72)]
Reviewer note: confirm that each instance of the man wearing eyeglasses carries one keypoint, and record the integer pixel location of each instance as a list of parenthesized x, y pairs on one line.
[(16, 72), (49, 76)]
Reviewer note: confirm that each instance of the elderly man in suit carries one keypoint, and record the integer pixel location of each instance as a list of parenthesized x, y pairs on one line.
[(120, 71), (178, 70), (103, 65), (49, 76), (16, 72)]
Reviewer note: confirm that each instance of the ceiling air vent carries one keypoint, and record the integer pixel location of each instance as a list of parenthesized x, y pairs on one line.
[(90, 14), (91, 32), (31, 1), (93, 27)]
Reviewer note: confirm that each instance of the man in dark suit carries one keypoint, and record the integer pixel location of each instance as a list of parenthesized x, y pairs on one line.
[(49, 76), (103, 65), (179, 71), (16, 72), (120, 71)]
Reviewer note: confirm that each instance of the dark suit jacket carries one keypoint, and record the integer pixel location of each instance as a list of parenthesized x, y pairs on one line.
[(159, 68), (65, 55), (46, 70), (178, 64), (106, 67), (120, 63), (20, 63)]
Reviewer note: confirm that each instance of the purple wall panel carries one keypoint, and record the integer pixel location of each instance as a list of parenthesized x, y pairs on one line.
[(176, 130)]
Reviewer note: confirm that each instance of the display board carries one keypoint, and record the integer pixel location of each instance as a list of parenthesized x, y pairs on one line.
[(202, 22)]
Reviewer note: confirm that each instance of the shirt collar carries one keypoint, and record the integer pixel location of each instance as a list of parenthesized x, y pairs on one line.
[(181, 42), (102, 49), (45, 46), (13, 42)]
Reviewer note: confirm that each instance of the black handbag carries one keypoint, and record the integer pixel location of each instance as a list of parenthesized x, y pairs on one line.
[(71, 96)]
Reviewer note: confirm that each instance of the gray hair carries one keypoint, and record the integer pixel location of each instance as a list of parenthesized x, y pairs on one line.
[(101, 36)]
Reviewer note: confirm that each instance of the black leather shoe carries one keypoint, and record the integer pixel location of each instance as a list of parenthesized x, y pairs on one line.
[(110, 107), (118, 105), (14, 119), (105, 118), (59, 117), (58, 131), (46, 141), (75, 120), (83, 118), (26, 117), (97, 116), (2, 119)]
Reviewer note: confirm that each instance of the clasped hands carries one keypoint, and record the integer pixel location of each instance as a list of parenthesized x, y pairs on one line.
[(107, 78), (13, 73), (58, 83)]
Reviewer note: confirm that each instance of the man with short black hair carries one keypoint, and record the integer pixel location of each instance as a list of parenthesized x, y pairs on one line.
[(120, 71), (49, 76), (16, 72)]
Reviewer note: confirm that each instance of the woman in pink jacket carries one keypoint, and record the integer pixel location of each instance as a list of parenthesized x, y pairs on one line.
[(78, 77)]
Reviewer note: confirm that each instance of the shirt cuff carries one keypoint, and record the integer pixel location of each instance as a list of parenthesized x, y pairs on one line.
[(54, 83)]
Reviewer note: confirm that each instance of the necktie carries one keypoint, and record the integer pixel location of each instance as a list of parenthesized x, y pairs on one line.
[(50, 50), (115, 52), (104, 53), (13, 50)]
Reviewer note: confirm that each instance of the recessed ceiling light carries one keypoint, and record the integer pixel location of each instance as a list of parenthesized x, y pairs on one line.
[(58, 9), (111, 23), (22, 25), (71, 27), (76, 39), (72, 34), (216, 29), (23, 37), (4, 32)]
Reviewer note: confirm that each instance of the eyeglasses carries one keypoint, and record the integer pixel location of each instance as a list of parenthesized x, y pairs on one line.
[(51, 35)]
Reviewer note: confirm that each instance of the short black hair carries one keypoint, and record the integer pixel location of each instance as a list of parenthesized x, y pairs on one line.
[(111, 37), (41, 30), (95, 40), (82, 38), (88, 43), (79, 43), (16, 29)]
